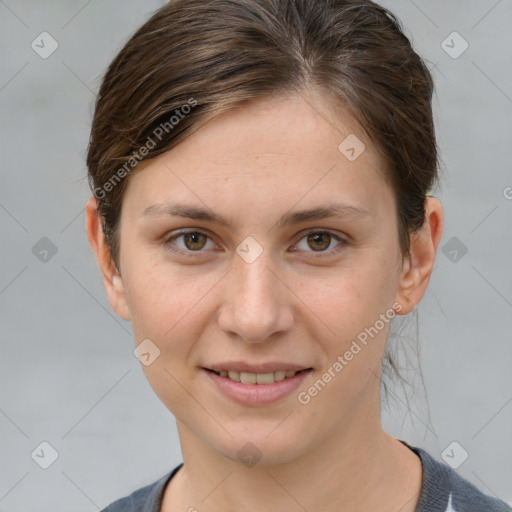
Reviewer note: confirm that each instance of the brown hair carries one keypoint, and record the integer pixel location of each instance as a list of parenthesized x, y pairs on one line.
[(213, 55)]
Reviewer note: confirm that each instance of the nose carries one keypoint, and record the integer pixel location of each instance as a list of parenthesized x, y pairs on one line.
[(256, 302)]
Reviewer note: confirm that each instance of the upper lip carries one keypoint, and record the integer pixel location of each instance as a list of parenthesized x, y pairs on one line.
[(269, 367)]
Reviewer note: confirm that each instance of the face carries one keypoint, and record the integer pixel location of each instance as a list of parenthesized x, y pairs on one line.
[(240, 280)]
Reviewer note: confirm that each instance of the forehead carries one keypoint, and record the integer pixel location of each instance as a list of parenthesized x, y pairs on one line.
[(279, 150), (295, 125)]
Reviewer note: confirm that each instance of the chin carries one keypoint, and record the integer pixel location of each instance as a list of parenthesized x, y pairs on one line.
[(255, 446)]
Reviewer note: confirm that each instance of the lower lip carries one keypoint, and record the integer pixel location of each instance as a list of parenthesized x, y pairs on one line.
[(257, 394)]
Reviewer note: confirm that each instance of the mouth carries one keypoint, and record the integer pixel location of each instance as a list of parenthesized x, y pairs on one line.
[(276, 382), (258, 378)]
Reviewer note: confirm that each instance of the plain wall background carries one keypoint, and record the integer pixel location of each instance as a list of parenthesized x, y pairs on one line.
[(67, 371)]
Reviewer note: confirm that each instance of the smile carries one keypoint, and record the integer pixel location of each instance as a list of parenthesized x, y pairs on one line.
[(255, 389), (256, 378)]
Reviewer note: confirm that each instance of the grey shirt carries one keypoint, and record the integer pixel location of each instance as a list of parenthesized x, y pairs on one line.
[(443, 490)]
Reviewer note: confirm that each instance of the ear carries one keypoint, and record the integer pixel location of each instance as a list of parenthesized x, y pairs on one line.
[(111, 278), (417, 269)]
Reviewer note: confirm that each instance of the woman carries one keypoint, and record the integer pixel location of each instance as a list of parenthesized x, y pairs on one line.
[(261, 173)]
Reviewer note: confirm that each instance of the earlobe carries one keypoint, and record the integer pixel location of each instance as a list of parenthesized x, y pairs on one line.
[(417, 269), (111, 279)]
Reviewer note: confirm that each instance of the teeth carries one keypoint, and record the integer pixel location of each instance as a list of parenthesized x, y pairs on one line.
[(248, 378), (265, 378), (279, 375), (234, 376), (257, 378)]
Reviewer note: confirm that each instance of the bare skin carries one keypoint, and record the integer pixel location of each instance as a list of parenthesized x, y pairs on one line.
[(295, 303)]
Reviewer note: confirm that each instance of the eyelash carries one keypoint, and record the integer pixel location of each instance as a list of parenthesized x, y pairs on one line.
[(319, 254)]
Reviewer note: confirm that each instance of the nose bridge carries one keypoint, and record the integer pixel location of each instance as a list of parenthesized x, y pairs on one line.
[(254, 307)]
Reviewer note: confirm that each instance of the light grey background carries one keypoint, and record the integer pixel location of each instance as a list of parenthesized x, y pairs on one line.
[(67, 371)]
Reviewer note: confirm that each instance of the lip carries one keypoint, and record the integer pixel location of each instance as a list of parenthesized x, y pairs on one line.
[(240, 366), (256, 394)]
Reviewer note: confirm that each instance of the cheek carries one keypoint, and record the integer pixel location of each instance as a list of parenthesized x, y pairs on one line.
[(349, 299), (358, 310), (167, 309), (351, 304), (164, 299)]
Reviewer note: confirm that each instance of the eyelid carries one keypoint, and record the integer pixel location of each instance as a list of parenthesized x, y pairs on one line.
[(316, 254)]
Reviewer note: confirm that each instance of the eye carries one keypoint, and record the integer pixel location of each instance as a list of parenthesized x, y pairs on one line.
[(319, 241), (192, 241), (195, 241)]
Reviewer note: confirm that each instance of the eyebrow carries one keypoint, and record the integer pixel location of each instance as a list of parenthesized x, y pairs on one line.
[(288, 219)]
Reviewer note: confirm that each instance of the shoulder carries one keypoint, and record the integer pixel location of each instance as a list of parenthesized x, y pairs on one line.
[(145, 499), (444, 490)]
